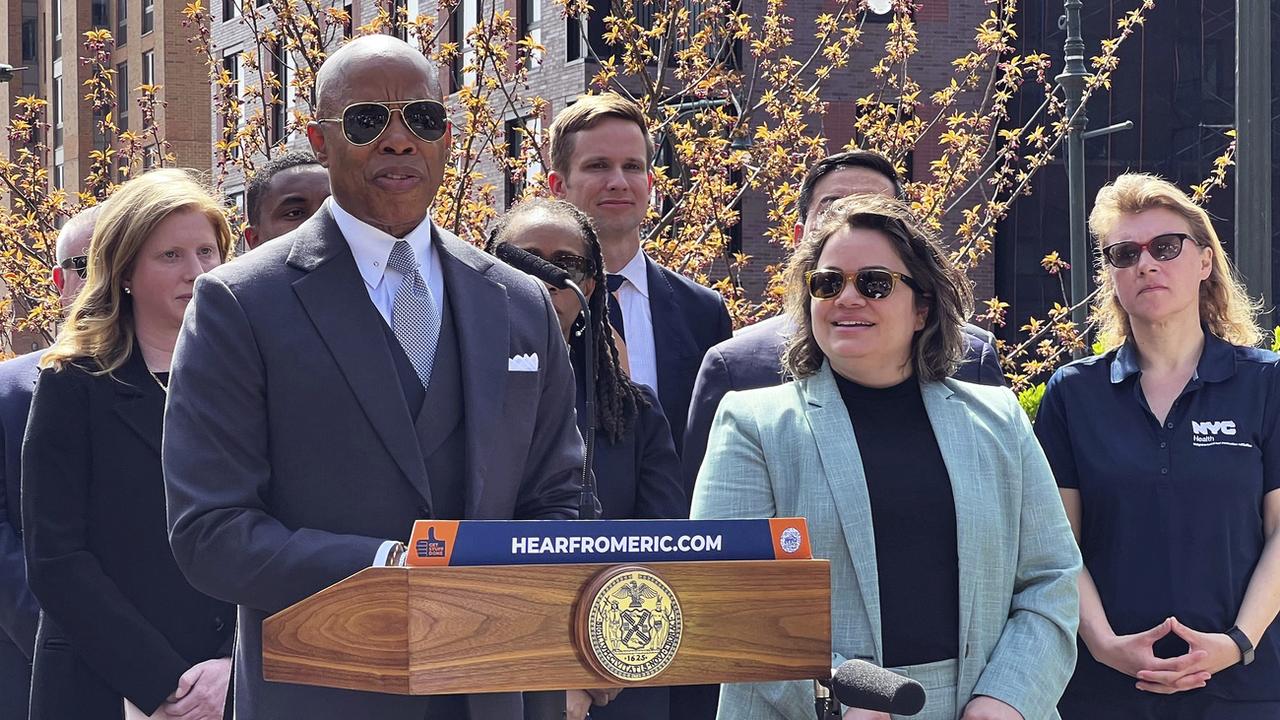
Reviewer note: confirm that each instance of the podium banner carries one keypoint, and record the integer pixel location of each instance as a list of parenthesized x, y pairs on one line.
[(549, 542)]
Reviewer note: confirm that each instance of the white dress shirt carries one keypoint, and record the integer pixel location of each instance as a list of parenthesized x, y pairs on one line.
[(371, 247), (637, 321)]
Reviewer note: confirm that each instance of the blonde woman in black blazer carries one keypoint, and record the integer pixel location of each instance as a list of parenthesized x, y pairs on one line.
[(121, 625)]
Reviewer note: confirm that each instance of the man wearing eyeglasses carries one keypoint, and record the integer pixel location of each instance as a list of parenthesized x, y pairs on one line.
[(19, 613), (333, 386)]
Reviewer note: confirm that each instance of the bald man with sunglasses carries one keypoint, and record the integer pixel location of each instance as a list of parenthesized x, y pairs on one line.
[(19, 612), (337, 384)]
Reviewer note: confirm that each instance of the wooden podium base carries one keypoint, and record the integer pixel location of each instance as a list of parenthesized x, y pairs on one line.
[(431, 631)]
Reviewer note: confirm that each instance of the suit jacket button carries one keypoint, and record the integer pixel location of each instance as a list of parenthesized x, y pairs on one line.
[(218, 624)]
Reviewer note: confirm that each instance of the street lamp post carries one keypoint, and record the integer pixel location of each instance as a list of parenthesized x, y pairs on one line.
[(1253, 150), (1072, 80)]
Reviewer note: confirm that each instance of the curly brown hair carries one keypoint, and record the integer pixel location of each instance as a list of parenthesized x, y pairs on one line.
[(938, 348)]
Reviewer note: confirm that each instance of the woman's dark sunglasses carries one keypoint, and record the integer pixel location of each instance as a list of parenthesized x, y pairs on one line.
[(1162, 247), (79, 263), (872, 283), (364, 122), (579, 268)]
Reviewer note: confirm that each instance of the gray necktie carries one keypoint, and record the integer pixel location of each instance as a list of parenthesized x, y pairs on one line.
[(415, 317)]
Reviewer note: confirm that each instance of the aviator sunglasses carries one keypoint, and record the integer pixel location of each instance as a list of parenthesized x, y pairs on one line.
[(1162, 247), (364, 122), (78, 263), (871, 283)]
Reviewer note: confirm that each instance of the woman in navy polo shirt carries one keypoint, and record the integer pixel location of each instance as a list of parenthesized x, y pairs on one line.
[(1167, 453)]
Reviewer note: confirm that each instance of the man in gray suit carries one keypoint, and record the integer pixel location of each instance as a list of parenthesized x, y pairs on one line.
[(332, 387)]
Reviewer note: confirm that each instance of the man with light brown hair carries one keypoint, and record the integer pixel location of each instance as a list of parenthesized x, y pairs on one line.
[(602, 162)]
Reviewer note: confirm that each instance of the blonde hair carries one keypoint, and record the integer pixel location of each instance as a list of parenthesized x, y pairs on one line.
[(100, 326), (939, 347), (588, 112), (1225, 306)]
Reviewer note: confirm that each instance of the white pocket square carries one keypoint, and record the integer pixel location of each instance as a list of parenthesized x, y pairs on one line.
[(523, 363)]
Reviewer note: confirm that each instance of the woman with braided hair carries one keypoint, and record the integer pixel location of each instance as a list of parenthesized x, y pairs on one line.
[(636, 466)]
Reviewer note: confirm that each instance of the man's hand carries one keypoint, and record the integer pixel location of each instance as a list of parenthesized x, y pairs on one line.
[(577, 703), (1209, 653), (201, 693), (984, 707)]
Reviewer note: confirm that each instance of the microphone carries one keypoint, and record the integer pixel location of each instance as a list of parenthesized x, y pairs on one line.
[(859, 684), (530, 264)]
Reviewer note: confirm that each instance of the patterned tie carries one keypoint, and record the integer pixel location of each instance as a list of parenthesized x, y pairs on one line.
[(615, 306), (415, 317)]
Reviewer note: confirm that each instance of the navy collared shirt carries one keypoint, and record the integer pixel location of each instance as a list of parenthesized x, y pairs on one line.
[(1171, 514)]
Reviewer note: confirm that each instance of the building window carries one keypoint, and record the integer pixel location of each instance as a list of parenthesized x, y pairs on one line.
[(150, 157), (148, 16), (231, 65), (149, 67), (122, 96), (57, 176), (399, 10), (351, 20), (529, 14), (55, 18), (279, 114), (465, 17), (98, 14), (57, 111), (515, 132), (29, 40), (122, 22), (230, 9)]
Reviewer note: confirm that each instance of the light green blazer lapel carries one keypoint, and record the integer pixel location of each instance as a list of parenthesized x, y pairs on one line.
[(842, 466), (953, 428)]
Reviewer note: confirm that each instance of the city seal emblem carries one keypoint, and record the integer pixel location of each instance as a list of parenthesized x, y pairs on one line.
[(632, 624)]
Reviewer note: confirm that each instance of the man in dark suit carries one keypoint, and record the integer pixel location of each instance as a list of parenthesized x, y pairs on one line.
[(282, 194), (753, 358), (601, 161), (332, 387), (19, 612)]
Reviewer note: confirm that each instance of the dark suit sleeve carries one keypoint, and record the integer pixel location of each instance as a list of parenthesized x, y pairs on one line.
[(659, 492), (710, 386), (105, 629), (550, 487), (19, 612), (991, 372), (218, 471)]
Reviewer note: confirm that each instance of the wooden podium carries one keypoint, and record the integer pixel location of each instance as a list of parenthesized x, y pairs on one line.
[(508, 628)]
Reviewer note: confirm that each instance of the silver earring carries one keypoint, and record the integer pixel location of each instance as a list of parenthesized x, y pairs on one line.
[(128, 290)]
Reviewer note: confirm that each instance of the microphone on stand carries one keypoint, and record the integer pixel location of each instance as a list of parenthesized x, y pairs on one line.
[(859, 684), (556, 277)]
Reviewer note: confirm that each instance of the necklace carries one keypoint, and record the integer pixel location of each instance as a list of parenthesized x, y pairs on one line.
[(155, 377)]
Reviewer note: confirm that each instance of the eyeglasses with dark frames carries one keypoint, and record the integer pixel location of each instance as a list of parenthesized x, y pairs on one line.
[(364, 122), (871, 283), (1164, 248), (79, 263)]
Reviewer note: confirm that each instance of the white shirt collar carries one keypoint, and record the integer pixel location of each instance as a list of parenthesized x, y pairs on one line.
[(371, 247), (636, 271)]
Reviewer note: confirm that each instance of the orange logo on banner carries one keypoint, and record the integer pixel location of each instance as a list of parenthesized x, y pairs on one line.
[(431, 543), (790, 539)]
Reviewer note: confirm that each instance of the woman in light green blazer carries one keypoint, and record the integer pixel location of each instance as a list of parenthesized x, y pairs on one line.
[(952, 561)]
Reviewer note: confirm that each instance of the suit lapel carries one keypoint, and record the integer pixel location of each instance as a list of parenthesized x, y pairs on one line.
[(481, 319), (139, 400), (334, 297), (842, 466), (954, 431), (671, 337)]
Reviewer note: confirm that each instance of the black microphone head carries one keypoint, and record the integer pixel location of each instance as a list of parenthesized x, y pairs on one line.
[(531, 264), (859, 684)]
